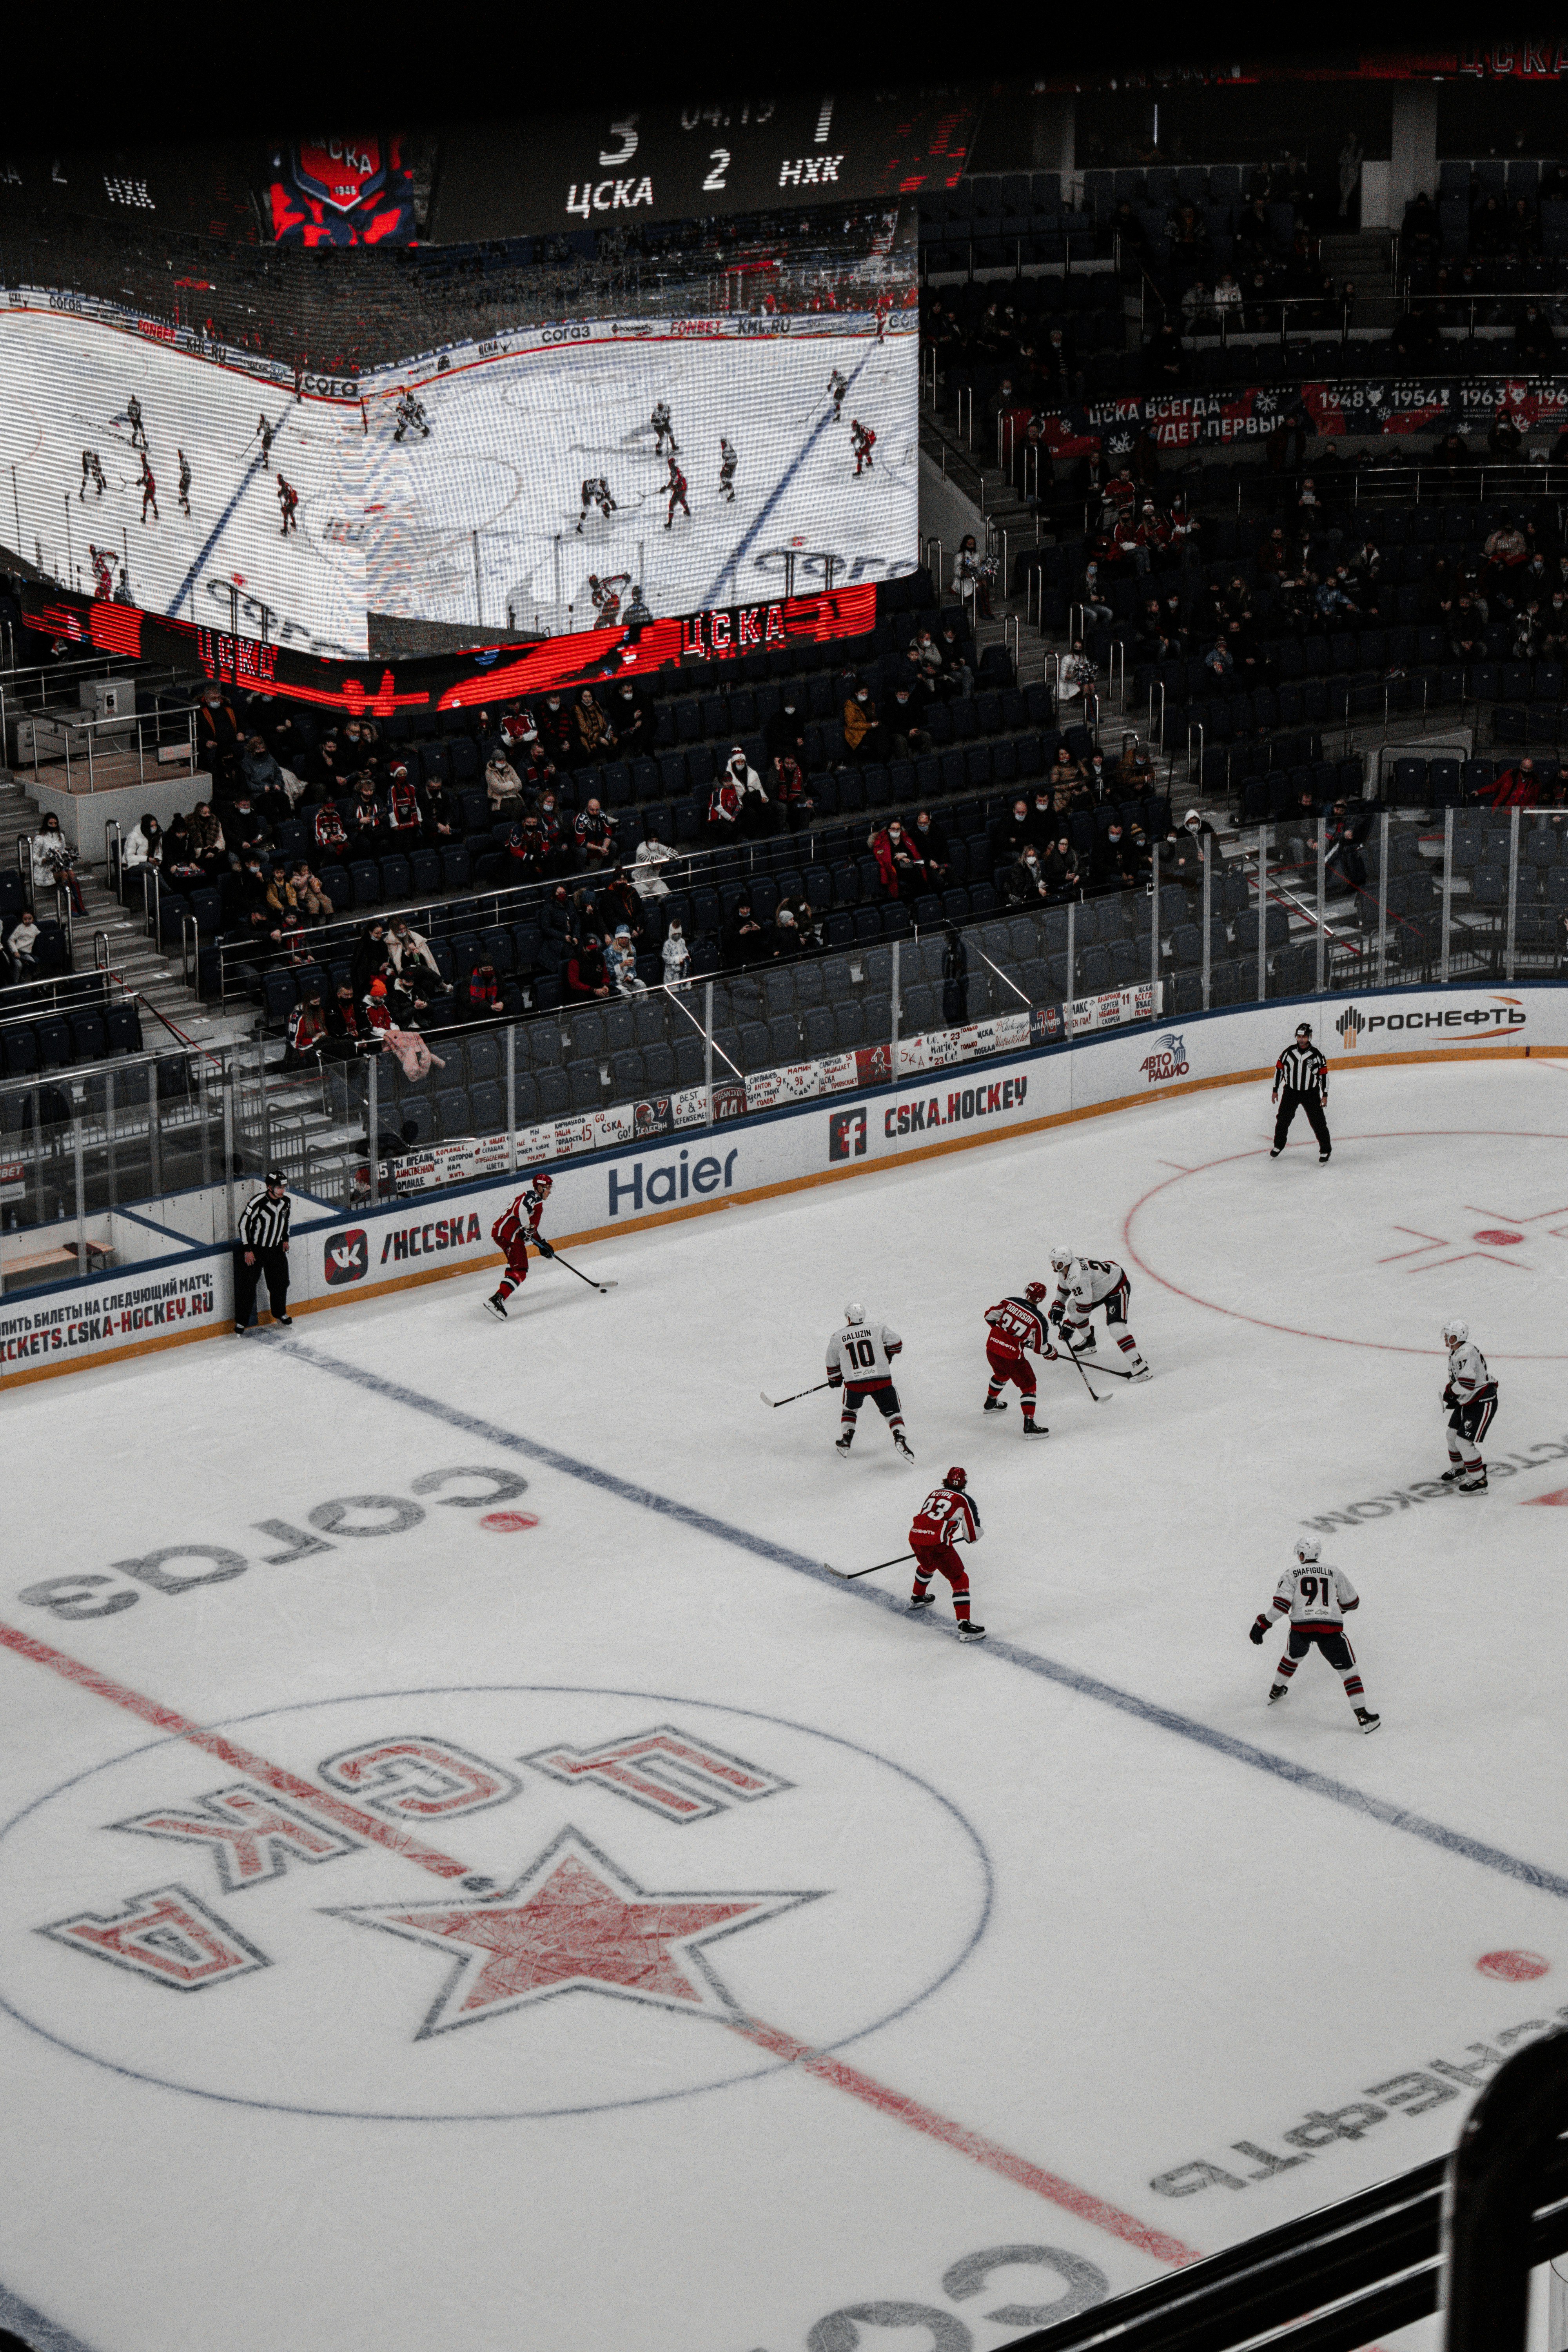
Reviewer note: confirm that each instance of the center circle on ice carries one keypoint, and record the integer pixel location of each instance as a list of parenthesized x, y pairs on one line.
[(626, 1898), (1347, 1258)]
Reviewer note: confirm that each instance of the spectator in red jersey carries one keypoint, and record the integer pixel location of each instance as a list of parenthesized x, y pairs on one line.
[(898, 862), (1517, 787), (478, 999), (723, 807), (595, 832), (331, 839)]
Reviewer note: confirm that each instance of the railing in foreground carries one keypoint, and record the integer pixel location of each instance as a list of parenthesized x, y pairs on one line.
[(1460, 2235)]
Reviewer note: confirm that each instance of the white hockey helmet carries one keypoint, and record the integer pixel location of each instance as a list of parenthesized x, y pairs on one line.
[(1061, 1258), (854, 1312), (1455, 1332), (1308, 1547)]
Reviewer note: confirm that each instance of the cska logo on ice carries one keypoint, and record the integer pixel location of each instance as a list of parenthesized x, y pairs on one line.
[(1168, 1060)]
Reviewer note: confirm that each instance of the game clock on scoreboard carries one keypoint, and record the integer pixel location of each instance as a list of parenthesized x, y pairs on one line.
[(743, 154)]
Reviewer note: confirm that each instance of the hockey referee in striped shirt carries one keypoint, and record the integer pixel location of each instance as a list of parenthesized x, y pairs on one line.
[(263, 1249), (1302, 1083)]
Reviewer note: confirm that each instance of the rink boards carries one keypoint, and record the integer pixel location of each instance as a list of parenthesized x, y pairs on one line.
[(168, 1300)]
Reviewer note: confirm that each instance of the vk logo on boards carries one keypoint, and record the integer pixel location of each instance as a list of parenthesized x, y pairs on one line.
[(347, 1258)]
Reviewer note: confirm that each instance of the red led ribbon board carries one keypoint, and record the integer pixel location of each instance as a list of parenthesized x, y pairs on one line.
[(479, 675)]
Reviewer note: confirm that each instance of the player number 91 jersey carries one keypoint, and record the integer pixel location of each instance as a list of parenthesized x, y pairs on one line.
[(1315, 1595)]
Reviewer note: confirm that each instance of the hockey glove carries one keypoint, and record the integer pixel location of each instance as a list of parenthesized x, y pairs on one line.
[(1449, 1399), (545, 1249), (1050, 1355), (1257, 1629), (1058, 1311)]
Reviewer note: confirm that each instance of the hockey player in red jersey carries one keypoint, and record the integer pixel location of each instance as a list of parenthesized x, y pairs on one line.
[(149, 489), (865, 441), (948, 1516), (676, 486), (514, 1229), (1018, 1331), (289, 502)]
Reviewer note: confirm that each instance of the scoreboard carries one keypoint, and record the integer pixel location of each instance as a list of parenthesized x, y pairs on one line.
[(746, 153)]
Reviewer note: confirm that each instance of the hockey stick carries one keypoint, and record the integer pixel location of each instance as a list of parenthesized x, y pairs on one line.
[(776, 1401), (849, 1574), (1083, 1375), (580, 1275)]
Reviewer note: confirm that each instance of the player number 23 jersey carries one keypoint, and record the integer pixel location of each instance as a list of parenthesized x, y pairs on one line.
[(862, 1353), (1315, 1595), (945, 1516)]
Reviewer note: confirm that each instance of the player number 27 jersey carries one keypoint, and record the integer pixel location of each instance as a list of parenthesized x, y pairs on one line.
[(1015, 1326), (862, 1353), (945, 1516), (1315, 1595)]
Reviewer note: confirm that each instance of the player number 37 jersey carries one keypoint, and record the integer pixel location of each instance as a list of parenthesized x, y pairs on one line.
[(861, 1354), (945, 1516), (1315, 1595)]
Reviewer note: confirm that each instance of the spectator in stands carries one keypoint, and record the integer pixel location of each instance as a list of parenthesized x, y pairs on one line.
[(369, 959), (306, 1035), (1467, 637), (925, 661), (503, 787), (143, 844), (1534, 340), (180, 863), (376, 1013), (1132, 764), (246, 829), (1488, 226), (933, 848), (207, 844), (633, 721), (478, 999), (1064, 777), (724, 808), (261, 776), (1055, 368), (675, 954), (743, 940), (1505, 551), (1015, 833), (907, 740), (1164, 362), (1021, 882), (1225, 301), (1217, 661), (331, 838), (621, 962), (954, 978), (366, 817), (1505, 440), (593, 830), (1059, 870), (971, 578), (1346, 834), (1417, 339), (899, 865), (218, 736), (347, 1029), (409, 953), (1076, 674), (784, 734), (1517, 787), (596, 736), (864, 738), (1554, 628), (790, 795), (1112, 855), (20, 943), (54, 863), (557, 735), (309, 896), (650, 854), (525, 848), (1451, 452), (585, 974), (1198, 315), (955, 650)]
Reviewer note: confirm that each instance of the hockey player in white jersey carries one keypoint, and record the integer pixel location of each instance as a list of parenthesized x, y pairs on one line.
[(1470, 1408), (663, 430), (1317, 1599), (1084, 1285), (860, 1362), (410, 416), (727, 461)]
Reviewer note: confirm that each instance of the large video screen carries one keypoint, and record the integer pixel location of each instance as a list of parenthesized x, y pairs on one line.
[(529, 481)]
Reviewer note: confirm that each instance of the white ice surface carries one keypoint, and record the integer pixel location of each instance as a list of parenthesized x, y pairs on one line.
[(1182, 1949), (393, 525)]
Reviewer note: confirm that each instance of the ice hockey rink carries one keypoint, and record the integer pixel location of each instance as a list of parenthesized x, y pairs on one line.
[(513, 437), (479, 519), (469, 1874)]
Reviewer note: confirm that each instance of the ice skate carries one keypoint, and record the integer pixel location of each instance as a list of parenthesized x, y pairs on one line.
[(995, 1405), (1277, 1692), (1276, 1149), (1473, 1482), (842, 1445), (972, 1633), (1451, 1477), (1366, 1721), (1036, 1429), (495, 1305), (902, 1443), (918, 1601)]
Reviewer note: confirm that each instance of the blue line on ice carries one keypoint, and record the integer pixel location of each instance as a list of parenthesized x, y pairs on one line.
[(1073, 1678), (222, 524), (730, 568)]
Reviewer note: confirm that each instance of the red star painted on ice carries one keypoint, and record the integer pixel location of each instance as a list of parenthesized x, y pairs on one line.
[(573, 1923)]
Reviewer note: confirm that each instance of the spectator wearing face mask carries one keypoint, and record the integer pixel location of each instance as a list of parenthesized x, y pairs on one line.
[(784, 733), (675, 954), (217, 738), (621, 962), (556, 734), (907, 737), (898, 862), (793, 802), (503, 786), (863, 737), (1022, 884), (755, 814), (1059, 870), (932, 842)]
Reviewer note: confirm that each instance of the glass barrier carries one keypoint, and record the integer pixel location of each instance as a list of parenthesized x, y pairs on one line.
[(120, 1160)]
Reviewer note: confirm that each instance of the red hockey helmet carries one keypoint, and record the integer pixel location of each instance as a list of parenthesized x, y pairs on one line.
[(1034, 1292), (957, 1477), (543, 1183)]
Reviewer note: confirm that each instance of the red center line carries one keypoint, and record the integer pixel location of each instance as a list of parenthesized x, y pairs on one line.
[(826, 2068)]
